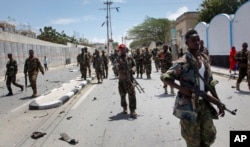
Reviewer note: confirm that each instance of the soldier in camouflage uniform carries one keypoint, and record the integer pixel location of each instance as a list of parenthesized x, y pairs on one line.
[(126, 84), (106, 64), (195, 113), (114, 59), (156, 59), (84, 61), (241, 57), (139, 62), (165, 57), (248, 70), (89, 62), (32, 66), (98, 65), (147, 61), (11, 72)]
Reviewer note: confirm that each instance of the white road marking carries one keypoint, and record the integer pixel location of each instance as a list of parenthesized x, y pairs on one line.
[(82, 98)]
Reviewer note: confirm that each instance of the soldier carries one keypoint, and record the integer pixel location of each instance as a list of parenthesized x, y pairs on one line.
[(147, 62), (114, 59), (195, 113), (106, 63), (139, 62), (241, 57), (98, 65), (126, 85), (83, 60), (32, 66), (156, 59), (89, 60), (248, 70), (165, 57), (11, 72)]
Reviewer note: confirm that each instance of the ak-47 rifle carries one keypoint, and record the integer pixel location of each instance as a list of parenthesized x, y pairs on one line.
[(137, 85), (132, 79), (209, 98)]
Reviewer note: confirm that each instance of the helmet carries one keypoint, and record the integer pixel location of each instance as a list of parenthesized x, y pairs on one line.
[(121, 46)]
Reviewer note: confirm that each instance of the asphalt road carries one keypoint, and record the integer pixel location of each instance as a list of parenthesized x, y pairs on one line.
[(94, 117)]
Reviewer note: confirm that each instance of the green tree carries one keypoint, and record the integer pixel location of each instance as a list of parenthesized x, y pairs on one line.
[(151, 29), (210, 8)]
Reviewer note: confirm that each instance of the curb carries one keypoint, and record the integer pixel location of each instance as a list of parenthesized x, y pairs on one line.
[(34, 105)]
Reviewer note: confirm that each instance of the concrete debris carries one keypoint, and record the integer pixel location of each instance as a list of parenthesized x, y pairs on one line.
[(65, 137), (36, 135)]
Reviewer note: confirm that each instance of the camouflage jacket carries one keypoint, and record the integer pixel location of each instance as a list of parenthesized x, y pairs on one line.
[(138, 58), (83, 59), (32, 66), (126, 65), (105, 59), (241, 57), (11, 67), (147, 58), (98, 62)]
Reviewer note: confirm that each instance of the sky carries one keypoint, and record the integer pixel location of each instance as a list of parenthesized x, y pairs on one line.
[(84, 18)]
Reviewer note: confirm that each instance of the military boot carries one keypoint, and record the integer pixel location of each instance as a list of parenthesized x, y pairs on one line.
[(34, 93), (125, 110), (237, 86), (133, 114)]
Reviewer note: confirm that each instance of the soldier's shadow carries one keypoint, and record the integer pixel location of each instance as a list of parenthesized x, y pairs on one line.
[(26, 98), (165, 95), (242, 92), (120, 116)]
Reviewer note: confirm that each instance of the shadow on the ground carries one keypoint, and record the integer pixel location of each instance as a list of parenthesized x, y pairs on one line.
[(120, 116)]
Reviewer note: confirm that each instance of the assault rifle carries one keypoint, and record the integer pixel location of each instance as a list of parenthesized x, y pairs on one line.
[(137, 85), (210, 98)]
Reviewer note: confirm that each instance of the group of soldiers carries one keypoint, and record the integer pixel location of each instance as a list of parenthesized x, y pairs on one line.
[(99, 61), (32, 66)]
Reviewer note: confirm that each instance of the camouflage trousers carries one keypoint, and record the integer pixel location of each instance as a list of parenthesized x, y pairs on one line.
[(99, 73), (201, 133), (139, 68), (124, 87), (242, 74), (148, 68), (83, 70), (32, 79), (12, 79)]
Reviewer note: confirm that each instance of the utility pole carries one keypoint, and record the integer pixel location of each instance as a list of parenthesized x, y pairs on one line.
[(108, 21)]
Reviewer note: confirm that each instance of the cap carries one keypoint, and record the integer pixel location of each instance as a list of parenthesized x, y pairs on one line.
[(121, 46)]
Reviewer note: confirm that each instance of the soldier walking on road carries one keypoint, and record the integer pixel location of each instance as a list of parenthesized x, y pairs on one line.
[(166, 62), (105, 59), (139, 62), (32, 66), (11, 72), (83, 60), (147, 57), (98, 65), (241, 57), (155, 53), (126, 84), (195, 113), (114, 59)]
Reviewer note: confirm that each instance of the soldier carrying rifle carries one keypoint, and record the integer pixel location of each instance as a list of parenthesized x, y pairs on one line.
[(192, 106), (10, 74)]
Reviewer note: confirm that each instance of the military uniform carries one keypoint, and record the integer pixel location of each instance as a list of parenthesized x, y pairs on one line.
[(32, 67), (195, 115), (156, 59), (84, 61), (166, 62), (114, 59), (105, 66), (98, 65), (139, 63), (248, 70), (11, 72), (147, 63), (125, 85), (241, 57)]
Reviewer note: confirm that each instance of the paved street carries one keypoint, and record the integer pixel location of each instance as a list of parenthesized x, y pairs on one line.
[(93, 116)]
